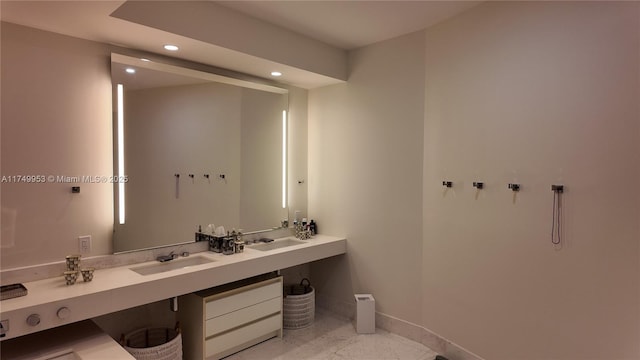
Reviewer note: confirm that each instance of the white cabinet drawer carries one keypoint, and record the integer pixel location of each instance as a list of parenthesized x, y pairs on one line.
[(227, 304), (242, 316), (233, 339), (220, 321)]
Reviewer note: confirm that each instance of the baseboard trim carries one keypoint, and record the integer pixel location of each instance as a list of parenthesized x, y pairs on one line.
[(403, 328)]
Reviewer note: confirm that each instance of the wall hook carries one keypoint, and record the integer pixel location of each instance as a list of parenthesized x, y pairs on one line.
[(478, 185), (556, 223), (191, 176), (206, 175), (514, 187), (447, 184), (222, 176), (177, 185)]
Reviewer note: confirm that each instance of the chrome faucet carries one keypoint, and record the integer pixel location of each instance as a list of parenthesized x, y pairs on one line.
[(165, 258)]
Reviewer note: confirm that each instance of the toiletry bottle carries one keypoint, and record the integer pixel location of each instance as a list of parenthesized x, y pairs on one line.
[(313, 227), (199, 233)]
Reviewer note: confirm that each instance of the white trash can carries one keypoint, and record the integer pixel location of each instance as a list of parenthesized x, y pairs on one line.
[(365, 314)]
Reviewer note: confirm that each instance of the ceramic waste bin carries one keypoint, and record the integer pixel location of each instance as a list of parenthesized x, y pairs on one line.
[(365, 314)]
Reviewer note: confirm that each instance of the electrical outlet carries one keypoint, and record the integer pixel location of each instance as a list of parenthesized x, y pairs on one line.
[(84, 244)]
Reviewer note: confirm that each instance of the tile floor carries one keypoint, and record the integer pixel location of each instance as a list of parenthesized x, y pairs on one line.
[(334, 338)]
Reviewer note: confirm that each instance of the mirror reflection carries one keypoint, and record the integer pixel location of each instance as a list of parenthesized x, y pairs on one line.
[(198, 149)]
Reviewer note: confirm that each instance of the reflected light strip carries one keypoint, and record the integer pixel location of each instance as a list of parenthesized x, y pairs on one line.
[(120, 154), (284, 159)]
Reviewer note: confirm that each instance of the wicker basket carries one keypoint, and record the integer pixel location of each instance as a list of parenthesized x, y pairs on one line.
[(299, 306), (154, 344)]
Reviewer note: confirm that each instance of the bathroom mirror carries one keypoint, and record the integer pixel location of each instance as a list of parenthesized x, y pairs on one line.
[(196, 148)]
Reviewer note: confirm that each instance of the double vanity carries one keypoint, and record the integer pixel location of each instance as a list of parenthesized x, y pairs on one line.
[(50, 303), (240, 119)]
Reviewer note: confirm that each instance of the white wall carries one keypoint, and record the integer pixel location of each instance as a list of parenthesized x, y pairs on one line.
[(540, 94), (365, 176), (56, 120), (534, 93)]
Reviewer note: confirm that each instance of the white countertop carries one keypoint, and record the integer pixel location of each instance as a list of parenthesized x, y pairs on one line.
[(119, 288), (84, 339)]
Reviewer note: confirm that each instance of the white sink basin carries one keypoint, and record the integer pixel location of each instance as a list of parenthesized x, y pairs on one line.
[(276, 244), (171, 265)]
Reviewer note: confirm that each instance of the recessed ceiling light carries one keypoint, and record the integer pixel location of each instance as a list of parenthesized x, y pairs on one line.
[(171, 47), (145, 60), (276, 73), (130, 70)]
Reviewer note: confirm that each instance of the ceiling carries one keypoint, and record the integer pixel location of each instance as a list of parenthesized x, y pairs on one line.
[(344, 25), (351, 24)]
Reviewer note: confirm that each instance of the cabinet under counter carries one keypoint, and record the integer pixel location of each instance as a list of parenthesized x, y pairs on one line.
[(223, 320)]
